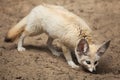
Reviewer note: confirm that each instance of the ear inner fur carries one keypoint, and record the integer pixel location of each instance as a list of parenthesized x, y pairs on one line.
[(83, 46), (103, 48)]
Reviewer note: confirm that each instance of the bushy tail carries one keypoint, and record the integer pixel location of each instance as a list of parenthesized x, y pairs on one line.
[(16, 31)]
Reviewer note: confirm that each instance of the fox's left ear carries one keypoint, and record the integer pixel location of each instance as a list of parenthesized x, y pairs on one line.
[(103, 48)]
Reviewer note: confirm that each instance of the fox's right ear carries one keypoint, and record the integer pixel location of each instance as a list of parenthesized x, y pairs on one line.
[(83, 47), (103, 48)]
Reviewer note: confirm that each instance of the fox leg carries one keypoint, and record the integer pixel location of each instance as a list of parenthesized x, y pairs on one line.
[(68, 57), (49, 44), (21, 40)]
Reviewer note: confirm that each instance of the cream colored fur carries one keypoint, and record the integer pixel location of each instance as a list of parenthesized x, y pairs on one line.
[(59, 24)]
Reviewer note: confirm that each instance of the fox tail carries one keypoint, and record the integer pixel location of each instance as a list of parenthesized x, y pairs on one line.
[(16, 31)]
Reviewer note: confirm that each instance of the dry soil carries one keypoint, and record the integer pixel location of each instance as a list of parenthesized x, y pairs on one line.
[(37, 62)]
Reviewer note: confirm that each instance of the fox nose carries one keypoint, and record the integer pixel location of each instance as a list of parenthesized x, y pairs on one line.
[(94, 70)]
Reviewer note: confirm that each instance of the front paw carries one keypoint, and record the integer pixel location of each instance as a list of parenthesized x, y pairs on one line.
[(72, 64), (21, 49)]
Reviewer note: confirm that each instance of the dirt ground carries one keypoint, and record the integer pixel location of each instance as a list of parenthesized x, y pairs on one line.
[(37, 62)]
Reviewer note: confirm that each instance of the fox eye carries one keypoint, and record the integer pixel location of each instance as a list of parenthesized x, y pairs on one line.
[(95, 62), (88, 62)]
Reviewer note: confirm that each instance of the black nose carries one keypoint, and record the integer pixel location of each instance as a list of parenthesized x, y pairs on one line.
[(94, 72)]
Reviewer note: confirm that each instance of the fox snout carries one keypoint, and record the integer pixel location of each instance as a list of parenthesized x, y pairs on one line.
[(89, 67), (92, 69)]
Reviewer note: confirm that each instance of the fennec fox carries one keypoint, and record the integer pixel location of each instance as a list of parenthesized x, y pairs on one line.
[(58, 23)]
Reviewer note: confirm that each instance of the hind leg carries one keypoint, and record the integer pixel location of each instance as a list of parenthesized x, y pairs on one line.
[(49, 44), (21, 40)]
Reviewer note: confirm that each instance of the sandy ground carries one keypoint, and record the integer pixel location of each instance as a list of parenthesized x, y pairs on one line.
[(37, 63)]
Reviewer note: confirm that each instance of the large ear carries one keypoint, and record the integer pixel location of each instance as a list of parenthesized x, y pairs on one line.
[(103, 48), (83, 46)]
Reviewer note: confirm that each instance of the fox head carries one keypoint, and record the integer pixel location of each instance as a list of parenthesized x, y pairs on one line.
[(88, 55)]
